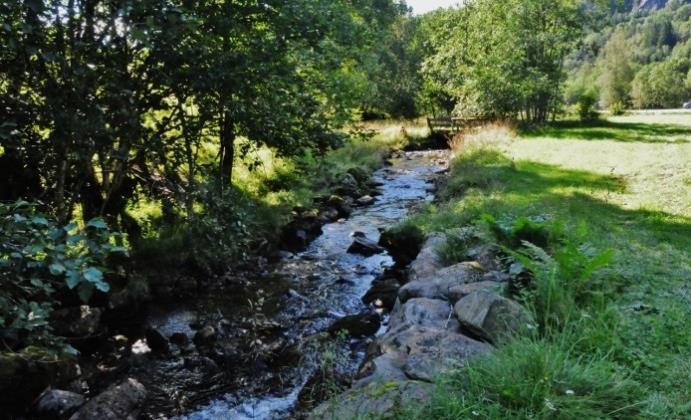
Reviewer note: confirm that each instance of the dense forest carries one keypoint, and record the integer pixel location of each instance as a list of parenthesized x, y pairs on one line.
[(141, 139)]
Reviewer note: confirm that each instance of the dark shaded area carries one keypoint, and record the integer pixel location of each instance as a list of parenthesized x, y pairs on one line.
[(608, 130)]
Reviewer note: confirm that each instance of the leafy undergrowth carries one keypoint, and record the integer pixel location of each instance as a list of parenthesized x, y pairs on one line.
[(245, 220), (621, 348)]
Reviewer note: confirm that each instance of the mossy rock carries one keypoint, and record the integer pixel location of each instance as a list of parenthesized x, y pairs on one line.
[(403, 242), (377, 400), (24, 375)]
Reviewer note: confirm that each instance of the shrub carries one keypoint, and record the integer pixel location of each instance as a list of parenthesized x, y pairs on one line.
[(617, 108), (586, 106), (39, 258)]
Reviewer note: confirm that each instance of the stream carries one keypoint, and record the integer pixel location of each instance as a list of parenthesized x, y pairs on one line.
[(274, 324)]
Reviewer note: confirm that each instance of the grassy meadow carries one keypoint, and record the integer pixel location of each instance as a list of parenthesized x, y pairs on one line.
[(623, 349)]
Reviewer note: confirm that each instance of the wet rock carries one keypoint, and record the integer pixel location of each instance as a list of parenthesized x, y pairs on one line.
[(348, 186), (425, 313), (341, 205), (360, 175), (378, 400), (81, 321), (57, 404), (203, 362), (491, 316), (297, 234), (119, 402), (457, 293), (439, 284), (365, 200), (329, 214), (157, 342), (205, 336), (180, 339), (403, 243), (359, 326), (382, 294), (427, 262), (364, 246)]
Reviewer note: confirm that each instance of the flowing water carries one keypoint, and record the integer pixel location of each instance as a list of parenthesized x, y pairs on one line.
[(284, 312)]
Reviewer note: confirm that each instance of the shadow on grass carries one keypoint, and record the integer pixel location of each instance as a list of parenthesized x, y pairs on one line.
[(526, 187), (615, 131)]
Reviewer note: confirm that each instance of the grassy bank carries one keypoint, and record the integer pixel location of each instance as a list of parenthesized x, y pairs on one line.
[(622, 349)]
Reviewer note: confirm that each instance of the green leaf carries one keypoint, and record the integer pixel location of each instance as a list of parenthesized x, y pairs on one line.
[(97, 223), (72, 279), (102, 286), (85, 292), (93, 275), (37, 220), (57, 269)]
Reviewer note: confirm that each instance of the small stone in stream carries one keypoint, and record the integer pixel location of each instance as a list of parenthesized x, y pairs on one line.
[(358, 234), (383, 294), (58, 404), (364, 246), (121, 401), (329, 214), (359, 326), (365, 200), (180, 339), (196, 325), (206, 336), (156, 341)]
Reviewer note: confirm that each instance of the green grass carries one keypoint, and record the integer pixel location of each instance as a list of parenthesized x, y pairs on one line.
[(628, 182)]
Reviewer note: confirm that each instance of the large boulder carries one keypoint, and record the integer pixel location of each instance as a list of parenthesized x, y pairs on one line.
[(438, 284), (24, 375), (491, 316), (423, 352), (57, 404), (377, 400), (119, 402), (457, 293), (425, 313), (428, 262)]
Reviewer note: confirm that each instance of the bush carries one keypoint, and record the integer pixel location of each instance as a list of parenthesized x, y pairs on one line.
[(39, 258), (586, 106), (617, 108)]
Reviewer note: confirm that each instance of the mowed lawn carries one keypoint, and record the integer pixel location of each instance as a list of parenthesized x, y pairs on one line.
[(628, 180), (633, 189)]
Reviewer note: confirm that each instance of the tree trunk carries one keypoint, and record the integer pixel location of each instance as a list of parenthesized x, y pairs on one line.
[(227, 153)]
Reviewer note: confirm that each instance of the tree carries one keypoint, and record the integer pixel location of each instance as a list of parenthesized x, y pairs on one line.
[(616, 73), (504, 58)]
